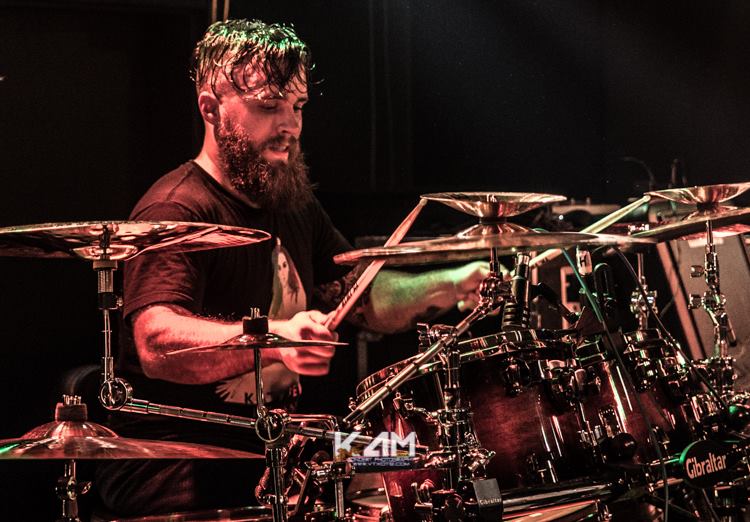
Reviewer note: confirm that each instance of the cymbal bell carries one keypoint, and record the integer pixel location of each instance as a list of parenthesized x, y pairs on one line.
[(477, 241), (488, 205), (703, 195), (84, 440), (252, 341), (726, 221), (120, 240)]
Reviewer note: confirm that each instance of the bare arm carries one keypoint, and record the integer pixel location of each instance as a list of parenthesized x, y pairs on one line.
[(396, 301), (159, 329)]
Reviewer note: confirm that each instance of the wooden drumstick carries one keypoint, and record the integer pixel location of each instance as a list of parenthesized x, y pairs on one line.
[(335, 317), (594, 228)]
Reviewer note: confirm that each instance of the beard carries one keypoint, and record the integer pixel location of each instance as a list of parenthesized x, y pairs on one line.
[(274, 186)]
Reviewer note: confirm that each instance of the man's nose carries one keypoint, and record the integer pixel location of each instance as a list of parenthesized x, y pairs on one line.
[(290, 122)]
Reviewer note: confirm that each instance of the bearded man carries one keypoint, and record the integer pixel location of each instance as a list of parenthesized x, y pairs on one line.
[(251, 82)]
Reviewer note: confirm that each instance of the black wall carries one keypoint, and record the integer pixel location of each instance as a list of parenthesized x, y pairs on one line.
[(413, 97)]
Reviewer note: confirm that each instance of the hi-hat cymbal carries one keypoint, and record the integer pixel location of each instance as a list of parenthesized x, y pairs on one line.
[(251, 341), (493, 204), (725, 222), (120, 240), (87, 440), (473, 244), (705, 195)]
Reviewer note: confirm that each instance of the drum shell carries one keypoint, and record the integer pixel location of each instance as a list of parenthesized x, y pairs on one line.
[(534, 435), (613, 404), (520, 428)]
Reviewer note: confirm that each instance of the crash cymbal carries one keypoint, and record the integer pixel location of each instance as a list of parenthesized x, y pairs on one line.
[(726, 222), (488, 205), (251, 341), (120, 240), (473, 244), (705, 195), (87, 440)]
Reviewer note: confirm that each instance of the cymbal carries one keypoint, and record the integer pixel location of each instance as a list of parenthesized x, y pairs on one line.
[(87, 440), (120, 240), (493, 204), (707, 194), (726, 221), (251, 341), (476, 243)]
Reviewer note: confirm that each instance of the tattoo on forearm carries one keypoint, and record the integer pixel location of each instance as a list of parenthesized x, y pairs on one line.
[(331, 294)]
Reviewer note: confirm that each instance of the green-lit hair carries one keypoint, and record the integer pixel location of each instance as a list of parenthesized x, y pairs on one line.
[(230, 45)]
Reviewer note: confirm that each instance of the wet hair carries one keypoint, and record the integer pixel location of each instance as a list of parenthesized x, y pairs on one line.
[(229, 46)]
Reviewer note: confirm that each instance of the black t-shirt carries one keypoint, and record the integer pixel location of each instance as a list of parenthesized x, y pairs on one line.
[(225, 283)]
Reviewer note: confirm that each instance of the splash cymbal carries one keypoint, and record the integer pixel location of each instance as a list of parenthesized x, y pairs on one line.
[(252, 341), (493, 204), (703, 195), (120, 240)]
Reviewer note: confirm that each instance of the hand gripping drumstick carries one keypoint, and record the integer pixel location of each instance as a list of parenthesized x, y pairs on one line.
[(335, 317), (593, 228)]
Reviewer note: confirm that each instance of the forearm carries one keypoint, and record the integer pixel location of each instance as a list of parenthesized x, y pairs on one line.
[(161, 329), (398, 300)]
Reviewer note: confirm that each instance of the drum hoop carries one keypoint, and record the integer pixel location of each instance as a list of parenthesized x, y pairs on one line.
[(503, 343)]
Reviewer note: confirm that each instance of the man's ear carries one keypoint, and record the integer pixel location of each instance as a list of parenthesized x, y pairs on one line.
[(208, 106)]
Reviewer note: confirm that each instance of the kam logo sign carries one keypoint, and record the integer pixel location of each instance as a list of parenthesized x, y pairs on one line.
[(385, 444)]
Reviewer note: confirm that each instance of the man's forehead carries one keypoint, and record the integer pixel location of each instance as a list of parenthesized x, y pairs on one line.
[(256, 84)]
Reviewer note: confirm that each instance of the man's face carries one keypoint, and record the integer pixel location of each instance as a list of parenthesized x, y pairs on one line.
[(258, 139), (271, 119)]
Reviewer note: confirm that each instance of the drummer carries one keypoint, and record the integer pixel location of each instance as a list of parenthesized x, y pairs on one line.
[(251, 81)]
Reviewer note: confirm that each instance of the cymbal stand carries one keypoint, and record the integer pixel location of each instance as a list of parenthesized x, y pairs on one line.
[(720, 364), (114, 392), (272, 427), (68, 488)]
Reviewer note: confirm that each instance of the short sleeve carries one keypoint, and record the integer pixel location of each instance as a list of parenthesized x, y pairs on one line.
[(154, 278), (328, 242)]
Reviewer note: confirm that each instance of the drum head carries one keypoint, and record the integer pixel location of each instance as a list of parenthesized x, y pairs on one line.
[(242, 514)]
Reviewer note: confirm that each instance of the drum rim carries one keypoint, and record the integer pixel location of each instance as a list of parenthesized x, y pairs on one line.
[(503, 343)]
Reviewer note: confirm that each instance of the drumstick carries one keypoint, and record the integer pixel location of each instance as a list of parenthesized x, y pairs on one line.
[(594, 228), (335, 317)]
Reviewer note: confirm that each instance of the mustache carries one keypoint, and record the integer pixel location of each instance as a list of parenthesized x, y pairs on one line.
[(280, 140)]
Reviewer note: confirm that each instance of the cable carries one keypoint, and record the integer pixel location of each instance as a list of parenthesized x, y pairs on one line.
[(629, 380)]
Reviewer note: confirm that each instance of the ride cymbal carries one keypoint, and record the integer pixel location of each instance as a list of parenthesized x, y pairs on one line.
[(476, 243), (120, 240), (488, 205)]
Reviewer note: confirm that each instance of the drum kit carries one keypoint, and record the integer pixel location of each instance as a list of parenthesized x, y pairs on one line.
[(587, 422)]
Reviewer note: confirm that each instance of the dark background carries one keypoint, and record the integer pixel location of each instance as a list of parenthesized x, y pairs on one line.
[(413, 97)]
